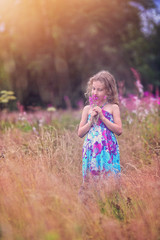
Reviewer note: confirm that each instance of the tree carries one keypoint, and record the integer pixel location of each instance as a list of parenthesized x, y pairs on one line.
[(51, 47)]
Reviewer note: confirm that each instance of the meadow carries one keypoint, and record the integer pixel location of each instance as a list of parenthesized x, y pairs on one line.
[(40, 178)]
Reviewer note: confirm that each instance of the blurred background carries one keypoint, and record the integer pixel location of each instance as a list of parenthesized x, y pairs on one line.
[(49, 48)]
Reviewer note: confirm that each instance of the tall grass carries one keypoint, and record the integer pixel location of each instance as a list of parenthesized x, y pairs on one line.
[(40, 179)]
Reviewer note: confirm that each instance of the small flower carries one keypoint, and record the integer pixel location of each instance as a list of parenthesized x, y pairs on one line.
[(129, 119), (123, 101), (41, 122), (35, 130), (51, 109)]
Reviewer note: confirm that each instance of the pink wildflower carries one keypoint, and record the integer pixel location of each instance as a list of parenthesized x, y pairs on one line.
[(138, 81), (20, 107), (93, 100), (68, 102)]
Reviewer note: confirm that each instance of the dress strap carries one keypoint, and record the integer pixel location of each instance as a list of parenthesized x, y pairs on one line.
[(103, 105)]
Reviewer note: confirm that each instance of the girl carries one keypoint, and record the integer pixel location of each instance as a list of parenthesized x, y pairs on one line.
[(100, 120)]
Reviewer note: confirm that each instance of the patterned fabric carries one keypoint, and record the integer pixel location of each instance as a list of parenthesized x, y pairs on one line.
[(100, 150)]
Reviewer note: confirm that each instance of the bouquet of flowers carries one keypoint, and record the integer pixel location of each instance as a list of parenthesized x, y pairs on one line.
[(93, 101)]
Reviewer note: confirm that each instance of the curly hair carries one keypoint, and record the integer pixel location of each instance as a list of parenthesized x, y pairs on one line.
[(110, 86)]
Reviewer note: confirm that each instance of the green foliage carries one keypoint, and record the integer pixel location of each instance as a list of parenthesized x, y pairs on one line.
[(6, 96), (5, 125), (52, 235), (24, 126), (114, 206), (117, 210), (121, 207), (67, 122)]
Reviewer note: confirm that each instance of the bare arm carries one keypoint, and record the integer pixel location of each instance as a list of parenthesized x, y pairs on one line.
[(85, 126), (115, 127)]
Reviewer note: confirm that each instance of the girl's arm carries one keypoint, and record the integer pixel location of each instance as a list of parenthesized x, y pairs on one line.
[(115, 127), (84, 126)]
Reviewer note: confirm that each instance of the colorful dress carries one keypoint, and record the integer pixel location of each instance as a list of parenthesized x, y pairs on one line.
[(100, 150)]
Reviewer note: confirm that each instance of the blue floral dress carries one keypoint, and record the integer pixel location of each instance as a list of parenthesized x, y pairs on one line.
[(100, 150)]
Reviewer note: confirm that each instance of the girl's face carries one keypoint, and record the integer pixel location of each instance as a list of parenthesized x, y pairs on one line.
[(98, 89)]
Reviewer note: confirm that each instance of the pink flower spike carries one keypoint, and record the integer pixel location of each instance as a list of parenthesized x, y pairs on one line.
[(138, 83), (93, 100)]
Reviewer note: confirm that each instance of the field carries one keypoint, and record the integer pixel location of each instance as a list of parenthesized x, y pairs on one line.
[(40, 179)]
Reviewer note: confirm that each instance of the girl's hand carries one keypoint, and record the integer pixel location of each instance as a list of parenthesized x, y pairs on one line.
[(93, 114), (98, 110)]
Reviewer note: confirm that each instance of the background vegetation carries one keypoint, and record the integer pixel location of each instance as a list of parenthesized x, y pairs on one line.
[(49, 48), (41, 178)]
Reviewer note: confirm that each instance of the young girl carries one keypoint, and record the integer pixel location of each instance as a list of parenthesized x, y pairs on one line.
[(100, 121)]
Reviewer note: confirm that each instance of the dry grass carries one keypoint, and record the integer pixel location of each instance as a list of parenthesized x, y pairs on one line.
[(40, 178)]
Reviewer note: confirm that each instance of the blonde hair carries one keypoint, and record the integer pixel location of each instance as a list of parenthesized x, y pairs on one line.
[(110, 86)]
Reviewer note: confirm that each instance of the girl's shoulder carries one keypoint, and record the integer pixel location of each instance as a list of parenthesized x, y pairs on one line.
[(115, 109), (111, 107), (85, 112), (86, 109), (115, 106)]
